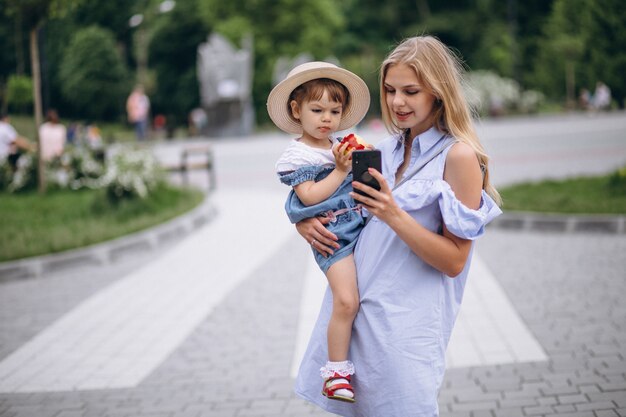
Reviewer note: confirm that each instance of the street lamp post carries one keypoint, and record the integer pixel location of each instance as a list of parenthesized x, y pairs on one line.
[(142, 36)]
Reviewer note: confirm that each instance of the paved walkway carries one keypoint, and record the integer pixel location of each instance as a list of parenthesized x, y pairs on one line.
[(214, 325)]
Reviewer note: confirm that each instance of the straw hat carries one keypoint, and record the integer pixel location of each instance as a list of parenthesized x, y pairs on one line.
[(278, 100)]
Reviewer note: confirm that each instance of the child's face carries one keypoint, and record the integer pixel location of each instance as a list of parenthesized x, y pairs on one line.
[(319, 118), (409, 104)]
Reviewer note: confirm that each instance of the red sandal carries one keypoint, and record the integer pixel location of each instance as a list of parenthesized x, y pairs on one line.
[(328, 389)]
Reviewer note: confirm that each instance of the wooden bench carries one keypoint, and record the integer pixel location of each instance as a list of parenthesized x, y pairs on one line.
[(195, 158)]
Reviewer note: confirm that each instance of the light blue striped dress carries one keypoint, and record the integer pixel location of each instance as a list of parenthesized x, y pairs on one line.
[(408, 308)]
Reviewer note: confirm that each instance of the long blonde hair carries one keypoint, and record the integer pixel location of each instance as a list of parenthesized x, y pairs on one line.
[(441, 73)]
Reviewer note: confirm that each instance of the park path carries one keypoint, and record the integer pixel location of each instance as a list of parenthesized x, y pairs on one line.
[(214, 325)]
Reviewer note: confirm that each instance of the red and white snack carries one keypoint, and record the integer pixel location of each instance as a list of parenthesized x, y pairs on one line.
[(355, 143)]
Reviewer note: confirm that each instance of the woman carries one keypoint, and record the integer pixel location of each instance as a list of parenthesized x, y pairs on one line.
[(413, 257)]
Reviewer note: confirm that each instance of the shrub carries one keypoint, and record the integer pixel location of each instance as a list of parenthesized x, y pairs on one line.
[(76, 168), (25, 176), (617, 181), (131, 174), (128, 174), (491, 94), (93, 75), (20, 93)]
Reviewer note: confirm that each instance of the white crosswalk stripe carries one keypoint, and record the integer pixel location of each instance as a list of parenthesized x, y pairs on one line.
[(117, 337)]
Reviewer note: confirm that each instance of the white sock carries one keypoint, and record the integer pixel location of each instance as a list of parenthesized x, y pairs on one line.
[(343, 368)]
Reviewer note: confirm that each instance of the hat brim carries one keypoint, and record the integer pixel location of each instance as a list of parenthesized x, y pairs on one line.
[(277, 101)]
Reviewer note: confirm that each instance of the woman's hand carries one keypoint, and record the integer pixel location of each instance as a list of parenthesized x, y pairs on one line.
[(317, 235), (379, 203)]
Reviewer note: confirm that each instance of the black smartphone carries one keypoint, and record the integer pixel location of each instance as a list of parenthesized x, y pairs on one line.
[(361, 161)]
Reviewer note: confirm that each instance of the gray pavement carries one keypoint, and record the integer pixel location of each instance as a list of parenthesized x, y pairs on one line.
[(566, 287)]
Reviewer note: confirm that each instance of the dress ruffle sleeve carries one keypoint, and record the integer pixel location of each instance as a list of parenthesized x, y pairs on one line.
[(300, 175), (459, 219)]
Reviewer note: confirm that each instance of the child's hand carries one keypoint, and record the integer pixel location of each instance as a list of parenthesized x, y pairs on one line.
[(343, 157)]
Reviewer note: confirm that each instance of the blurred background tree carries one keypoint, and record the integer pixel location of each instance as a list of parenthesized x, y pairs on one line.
[(32, 15), (279, 28), (605, 57), (172, 54), (93, 76), (554, 46)]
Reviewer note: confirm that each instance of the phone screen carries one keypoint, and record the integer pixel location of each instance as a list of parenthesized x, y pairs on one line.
[(361, 161)]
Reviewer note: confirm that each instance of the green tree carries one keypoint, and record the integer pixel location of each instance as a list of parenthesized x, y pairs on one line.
[(172, 52), (559, 59), (93, 75), (34, 14), (606, 46), (19, 93), (280, 28)]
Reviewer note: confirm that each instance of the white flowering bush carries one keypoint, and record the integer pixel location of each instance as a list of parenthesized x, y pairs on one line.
[(76, 168), (131, 173), (491, 94), (6, 174), (25, 175)]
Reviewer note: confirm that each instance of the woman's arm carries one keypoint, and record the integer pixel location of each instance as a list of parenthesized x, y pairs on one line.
[(446, 253), (311, 192)]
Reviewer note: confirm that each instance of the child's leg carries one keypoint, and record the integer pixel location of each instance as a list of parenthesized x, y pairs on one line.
[(342, 280)]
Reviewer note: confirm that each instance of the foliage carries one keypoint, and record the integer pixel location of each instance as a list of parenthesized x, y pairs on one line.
[(585, 195), (606, 46), (131, 174), (24, 178), (20, 93), (173, 51), (34, 224), (280, 28), (127, 175), (111, 14), (560, 52), (489, 93), (93, 76), (6, 174), (76, 168), (537, 43), (34, 12), (617, 181)]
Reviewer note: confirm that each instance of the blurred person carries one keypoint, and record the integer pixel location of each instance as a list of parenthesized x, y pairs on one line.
[(93, 140), (12, 145), (197, 121), (316, 100), (74, 132), (601, 97), (138, 109), (584, 99), (160, 125), (52, 136)]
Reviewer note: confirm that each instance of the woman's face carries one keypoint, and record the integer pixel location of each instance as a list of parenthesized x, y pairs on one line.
[(409, 104)]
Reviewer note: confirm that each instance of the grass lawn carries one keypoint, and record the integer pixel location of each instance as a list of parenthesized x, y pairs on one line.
[(584, 195), (34, 224)]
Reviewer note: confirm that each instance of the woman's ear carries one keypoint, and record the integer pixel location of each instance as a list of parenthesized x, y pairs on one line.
[(295, 109)]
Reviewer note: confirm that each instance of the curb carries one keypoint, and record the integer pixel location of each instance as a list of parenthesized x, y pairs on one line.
[(546, 222), (110, 251)]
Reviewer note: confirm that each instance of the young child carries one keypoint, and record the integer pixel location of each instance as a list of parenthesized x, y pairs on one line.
[(314, 101)]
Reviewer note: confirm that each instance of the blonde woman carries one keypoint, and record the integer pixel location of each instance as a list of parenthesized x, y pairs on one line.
[(413, 257)]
